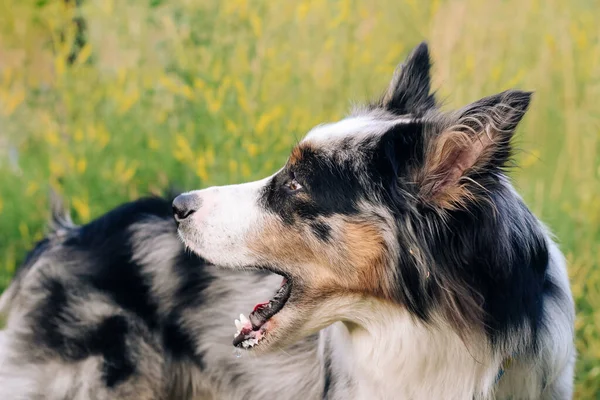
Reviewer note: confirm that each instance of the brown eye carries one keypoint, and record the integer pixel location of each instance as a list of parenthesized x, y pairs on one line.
[(293, 185)]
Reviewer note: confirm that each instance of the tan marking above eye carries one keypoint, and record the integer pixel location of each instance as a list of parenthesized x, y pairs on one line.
[(298, 152), (296, 155)]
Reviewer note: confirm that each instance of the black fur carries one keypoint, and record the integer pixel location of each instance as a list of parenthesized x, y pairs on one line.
[(326, 190), (52, 314), (106, 266), (327, 376), (321, 230), (409, 92), (486, 261), (179, 341), (53, 328), (109, 340), (189, 295)]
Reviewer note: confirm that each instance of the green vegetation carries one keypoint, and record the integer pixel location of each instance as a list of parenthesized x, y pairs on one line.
[(196, 93)]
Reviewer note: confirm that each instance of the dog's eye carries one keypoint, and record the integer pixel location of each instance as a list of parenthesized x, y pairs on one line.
[(293, 184)]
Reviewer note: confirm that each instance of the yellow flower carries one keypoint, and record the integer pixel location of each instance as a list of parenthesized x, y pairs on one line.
[(209, 154), (262, 123), (81, 208), (496, 71), (13, 100), (213, 103), (183, 151), (201, 171), (469, 63), (7, 76), (161, 116), (153, 144), (78, 136), (56, 168), (252, 149), (435, 6), (84, 54), (242, 96), (108, 6), (129, 173), (24, 231), (128, 100), (233, 167), (230, 126), (52, 137), (169, 84), (266, 118), (32, 188), (102, 136), (81, 165), (187, 92), (302, 10), (550, 42), (199, 84), (11, 260), (531, 158), (246, 171), (59, 65), (256, 24)]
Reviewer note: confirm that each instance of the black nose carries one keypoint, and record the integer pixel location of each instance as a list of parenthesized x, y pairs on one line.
[(185, 205)]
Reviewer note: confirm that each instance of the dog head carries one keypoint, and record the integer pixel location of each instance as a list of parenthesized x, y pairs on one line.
[(355, 214)]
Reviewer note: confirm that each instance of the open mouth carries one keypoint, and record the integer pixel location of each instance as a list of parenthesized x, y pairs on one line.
[(252, 329)]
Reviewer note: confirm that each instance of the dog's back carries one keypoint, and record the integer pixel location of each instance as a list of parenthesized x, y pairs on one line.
[(80, 312), (117, 309)]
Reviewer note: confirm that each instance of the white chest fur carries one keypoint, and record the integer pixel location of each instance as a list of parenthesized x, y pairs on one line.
[(387, 355)]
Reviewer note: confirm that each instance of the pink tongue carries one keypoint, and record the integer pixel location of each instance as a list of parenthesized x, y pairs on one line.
[(259, 306)]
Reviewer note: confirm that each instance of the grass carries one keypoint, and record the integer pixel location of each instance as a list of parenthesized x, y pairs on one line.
[(210, 92)]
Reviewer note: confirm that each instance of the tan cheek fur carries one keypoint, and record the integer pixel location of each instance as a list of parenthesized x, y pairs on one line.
[(353, 260), (366, 256)]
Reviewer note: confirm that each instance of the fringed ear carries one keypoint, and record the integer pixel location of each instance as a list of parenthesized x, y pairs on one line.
[(461, 159), (408, 92)]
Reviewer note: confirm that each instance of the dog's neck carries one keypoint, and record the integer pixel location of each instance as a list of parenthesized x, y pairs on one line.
[(382, 352)]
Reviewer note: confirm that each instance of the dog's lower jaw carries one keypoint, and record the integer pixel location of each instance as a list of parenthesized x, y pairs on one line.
[(389, 355)]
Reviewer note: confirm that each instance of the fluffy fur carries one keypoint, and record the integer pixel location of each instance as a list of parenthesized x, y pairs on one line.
[(412, 270)]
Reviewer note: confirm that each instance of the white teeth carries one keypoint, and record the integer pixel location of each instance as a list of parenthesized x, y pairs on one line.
[(240, 324), (250, 342)]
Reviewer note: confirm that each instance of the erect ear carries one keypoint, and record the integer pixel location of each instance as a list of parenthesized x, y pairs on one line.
[(467, 156), (408, 92)]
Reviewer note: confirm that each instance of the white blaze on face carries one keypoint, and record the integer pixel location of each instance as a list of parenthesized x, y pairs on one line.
[(230, 216), (355, 127), (219, 230)]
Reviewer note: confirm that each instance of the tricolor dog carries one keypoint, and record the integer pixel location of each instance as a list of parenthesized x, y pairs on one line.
[(389, 258)]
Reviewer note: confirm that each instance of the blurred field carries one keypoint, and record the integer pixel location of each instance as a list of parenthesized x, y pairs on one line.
[(196, 93)]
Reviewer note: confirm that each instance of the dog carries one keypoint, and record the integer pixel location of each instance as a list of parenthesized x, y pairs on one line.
[(399, 261)]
